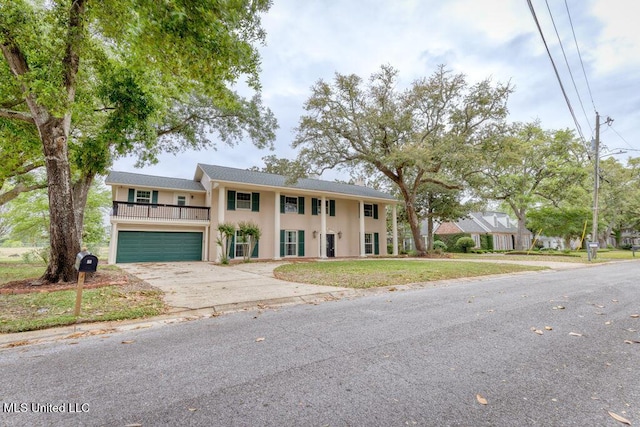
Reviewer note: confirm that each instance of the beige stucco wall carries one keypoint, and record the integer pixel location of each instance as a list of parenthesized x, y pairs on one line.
[(346, 221)]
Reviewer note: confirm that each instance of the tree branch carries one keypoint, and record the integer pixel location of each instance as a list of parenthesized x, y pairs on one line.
[(17, 115), (17, 190)]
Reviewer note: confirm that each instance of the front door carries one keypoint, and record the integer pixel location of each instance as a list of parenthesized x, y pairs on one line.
[(331, 245)]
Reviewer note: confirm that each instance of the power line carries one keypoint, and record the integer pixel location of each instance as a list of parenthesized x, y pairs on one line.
[(579, 55), (555, 69), (566, 61), (621, 137)]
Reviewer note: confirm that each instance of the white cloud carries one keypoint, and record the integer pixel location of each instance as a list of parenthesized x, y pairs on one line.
[(312, 39)]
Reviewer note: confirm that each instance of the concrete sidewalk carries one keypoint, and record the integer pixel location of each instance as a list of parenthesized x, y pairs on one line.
[(200, 285)]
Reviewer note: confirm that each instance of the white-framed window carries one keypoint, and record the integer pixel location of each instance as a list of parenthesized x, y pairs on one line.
[(181, 200), (290, 243), (242, 247), (368, 243), (290, 204), (368, 210), (143, 196), (243, 201)]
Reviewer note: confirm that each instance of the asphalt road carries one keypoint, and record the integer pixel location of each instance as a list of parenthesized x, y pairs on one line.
[(418, 357)]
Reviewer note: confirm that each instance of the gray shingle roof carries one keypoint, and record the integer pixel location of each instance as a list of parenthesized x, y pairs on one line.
[(136, 179), (501, 226), (468, 225), (223, 173)]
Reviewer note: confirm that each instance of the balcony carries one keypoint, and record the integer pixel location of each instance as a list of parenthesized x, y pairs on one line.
[(158, 212)]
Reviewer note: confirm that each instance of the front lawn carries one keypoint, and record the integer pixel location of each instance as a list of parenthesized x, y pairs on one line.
[(373, 273), (39, 310), (118, 297)]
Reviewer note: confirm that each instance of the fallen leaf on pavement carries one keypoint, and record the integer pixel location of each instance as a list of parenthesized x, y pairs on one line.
[(260, 339), (558, 307), (538, 331), (481, 400), (631, 342), (619, 418), (635, 316), (128, 342), (193, 409), (548, 328), (575, 334)]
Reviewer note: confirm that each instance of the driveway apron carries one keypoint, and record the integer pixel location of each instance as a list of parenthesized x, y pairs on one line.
[(198, 285)]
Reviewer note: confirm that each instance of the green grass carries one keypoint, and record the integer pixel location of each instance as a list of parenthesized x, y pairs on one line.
[(39, 310), (18, 270), (574, 256), (363, 274)]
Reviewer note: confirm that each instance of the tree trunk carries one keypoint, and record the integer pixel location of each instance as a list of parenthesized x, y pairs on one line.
[(413, 219), (63, 231), (430, 230), (522, 229), (80, 193)]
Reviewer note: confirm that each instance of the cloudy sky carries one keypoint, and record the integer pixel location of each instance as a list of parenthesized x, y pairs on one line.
[(313, 39)]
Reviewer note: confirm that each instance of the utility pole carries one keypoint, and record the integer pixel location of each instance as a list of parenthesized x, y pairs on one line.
[(593, 245), (592, 250)]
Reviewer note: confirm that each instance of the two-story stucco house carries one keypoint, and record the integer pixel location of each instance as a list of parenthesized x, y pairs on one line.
[(169, 219)]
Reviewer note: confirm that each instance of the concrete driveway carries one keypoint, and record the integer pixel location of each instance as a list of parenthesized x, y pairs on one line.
[(204, 285)]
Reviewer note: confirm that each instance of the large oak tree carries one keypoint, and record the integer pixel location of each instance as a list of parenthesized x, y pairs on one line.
[(421, 135), (100, 79), (526, 166)]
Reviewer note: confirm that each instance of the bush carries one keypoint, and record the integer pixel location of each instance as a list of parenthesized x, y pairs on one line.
[(465, 243), (450, 240), (439, 246)]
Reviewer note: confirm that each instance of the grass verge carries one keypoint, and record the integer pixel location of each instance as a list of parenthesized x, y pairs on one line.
[(27, 312), (129, 299), (362, 274)]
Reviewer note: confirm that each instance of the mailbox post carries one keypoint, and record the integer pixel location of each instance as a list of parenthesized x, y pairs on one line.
[(85, 262)]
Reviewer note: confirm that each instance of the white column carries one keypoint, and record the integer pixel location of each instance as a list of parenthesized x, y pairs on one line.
[(222, 192), (276, 227), (206, 243), (323, 227), (362, 250), (113, 244), (394, 213)]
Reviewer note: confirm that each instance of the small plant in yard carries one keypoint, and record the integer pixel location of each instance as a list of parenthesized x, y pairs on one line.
[(439, 246), (465, 243), (227, 231), (250, 234)]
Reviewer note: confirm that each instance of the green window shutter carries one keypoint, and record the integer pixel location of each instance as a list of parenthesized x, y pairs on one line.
[(255, 202), (314, 206), (301, 205), (232, 247), (281, 242), (154, 197), (132, 195), (300, 242), (332, 208), (281, 204), (231, 200), (376, 243), (254, 254), (375, 211)]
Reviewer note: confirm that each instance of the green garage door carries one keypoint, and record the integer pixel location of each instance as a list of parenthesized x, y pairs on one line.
[(147, 246)]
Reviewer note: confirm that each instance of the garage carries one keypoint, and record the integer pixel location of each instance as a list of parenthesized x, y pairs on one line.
[(149, 246)]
